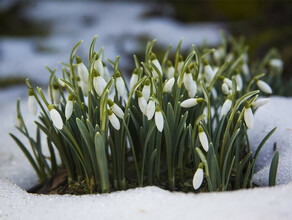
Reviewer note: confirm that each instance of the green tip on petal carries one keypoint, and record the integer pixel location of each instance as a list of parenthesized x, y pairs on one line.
[(153, 57), (110, 102), (30, 92), (180, 58), (157, 109), (169, 63), (147, 82), (246, 105), (139, 94), (200, 100), (201, 165), (95, 73), (118, 74), (50, 107), (109, 112), (205, 61), (78, 60), (135, 71), (200, 129), (70, 97), (191, 66)]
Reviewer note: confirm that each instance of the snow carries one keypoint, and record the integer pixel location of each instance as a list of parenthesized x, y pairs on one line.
[(119, 27), (149, 202)]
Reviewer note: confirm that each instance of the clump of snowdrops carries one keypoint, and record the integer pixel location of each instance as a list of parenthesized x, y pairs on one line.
[(180, 124)]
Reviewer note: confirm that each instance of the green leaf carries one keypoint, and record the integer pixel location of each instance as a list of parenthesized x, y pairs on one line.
[(274, 169)]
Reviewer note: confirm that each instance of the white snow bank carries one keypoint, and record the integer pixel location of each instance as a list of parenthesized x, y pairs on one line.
[(148, 203), (276, 113)]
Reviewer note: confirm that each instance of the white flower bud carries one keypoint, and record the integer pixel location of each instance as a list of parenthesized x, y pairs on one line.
[(150, 109), (32, 104), (198, 178), (142, 102), (248, 116), (157, 64), (106, 73), (56, 118), (190, 102), (99, 67), (188, 81), (69, 109), (84, 88), (120, 86), (159, 121), (203, 139), (260, 102), (113, 120), (168, 85), (209, 73), (146, 92), (133, 80), (99, 84), (226, 107), (263, 86), (19, 123), (245, 69), (225, 89), (117, 110), (239, 82), (276, 64), (82, 70), (170, 72)]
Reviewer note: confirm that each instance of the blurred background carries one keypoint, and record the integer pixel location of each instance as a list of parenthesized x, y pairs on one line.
[(37, 33)]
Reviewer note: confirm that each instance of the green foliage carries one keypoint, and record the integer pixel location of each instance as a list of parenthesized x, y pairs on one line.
[(114, 141)]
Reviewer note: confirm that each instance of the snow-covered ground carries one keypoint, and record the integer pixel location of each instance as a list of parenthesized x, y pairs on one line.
[(150, 202)]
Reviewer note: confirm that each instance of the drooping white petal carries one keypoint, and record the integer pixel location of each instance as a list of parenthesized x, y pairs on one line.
[(214, 93), (56, 95), (168, 85), (120, 86), (263, 86), (204, 140), (159, 122), (226, 107), (245, 69), (99, 67), (84, 88), (146, 92), (170, 72), (114, 121), (106, 73), (32, 104), (56, 118), (99, 84), (198, 178), (193, 90), (150, 109), (82, 72), (260, 102), (248, 118), (277, 64), (69, 109), (157, 64), (189, 103), (142, 104), (228, 82), (209, 73), (133, 80), (188, 81), (225, 89), (239, 82), (117, 110)]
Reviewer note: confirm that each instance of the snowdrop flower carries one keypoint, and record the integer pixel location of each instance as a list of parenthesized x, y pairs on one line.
[(146, 90), (245, 69), (170, 69), (198, 177), (115, 108), (188, 80), (56, 94), (84, 88), (69, 107), (98, 65), (191, 102), (260, 102), (227, 81), (193, 91), (226, 107), (55, 116), (142, 102), (225, 89), (248, 115), (120, 84), (32, 103), (159, 122), (106, 73), (219, 54), (203, 139), (238, 81), (82, 70), (150, 110), (168, 85), (263, 86), (134, 79), (276, 64), (98, 82), (113, 119), (209, 73), (157, 64)]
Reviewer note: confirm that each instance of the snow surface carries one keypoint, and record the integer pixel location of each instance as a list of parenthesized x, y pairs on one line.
[(149, 202)]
